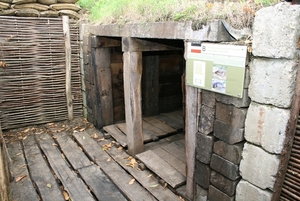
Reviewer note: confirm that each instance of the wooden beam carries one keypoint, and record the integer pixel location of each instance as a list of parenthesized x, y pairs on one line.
[(138, 45), (5, 176), (190, 139), (132, 93), (66, 29), (103, 87), (99, 42), (150, 85)]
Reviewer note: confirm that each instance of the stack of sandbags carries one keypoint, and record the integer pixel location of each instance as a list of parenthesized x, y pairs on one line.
[(39, 8)]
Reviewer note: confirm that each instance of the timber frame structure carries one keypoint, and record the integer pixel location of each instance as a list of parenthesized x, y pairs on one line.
[(134, 39)]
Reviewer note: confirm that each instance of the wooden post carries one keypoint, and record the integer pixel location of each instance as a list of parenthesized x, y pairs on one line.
[(5, 176), (103, 87), (132, 95), (102, 82), (66, 29), (150, 85), (190, 139)]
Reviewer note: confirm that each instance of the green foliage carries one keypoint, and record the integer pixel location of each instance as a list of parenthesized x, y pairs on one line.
[(239, 13)]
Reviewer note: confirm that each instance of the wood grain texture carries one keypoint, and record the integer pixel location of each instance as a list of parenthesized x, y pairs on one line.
[(66, 30), (71, 150), (23, 189), (99, 184), (118, 175), (40, 173), (133, 109), (72, 184), (190, 138), (161, 168)]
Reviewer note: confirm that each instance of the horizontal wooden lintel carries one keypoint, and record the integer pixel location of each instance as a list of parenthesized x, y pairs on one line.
[(140, 45)]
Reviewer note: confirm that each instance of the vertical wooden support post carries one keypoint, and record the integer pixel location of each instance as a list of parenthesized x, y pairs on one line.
[(190, 139), (66, 29), (132, 92), (4, 169), (103, 87), (150, 85)]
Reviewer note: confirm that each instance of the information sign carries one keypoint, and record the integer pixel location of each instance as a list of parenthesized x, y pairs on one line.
[(216, 67)]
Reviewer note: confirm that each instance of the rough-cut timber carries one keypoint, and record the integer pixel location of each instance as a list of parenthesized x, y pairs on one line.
[(132, 93)]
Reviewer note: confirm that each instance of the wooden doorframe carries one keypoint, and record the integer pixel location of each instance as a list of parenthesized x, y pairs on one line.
[(133, 67)]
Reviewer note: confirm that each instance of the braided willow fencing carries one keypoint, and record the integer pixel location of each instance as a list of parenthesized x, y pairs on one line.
[(33, 73)]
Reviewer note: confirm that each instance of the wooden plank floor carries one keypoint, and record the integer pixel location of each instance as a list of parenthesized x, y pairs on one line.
[(73, 161)]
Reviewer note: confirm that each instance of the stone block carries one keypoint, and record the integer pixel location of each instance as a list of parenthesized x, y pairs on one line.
[(204, 147), (276, 31), (206, 121), (201, 194), (233, 153), (208, 98), (228, 133), (246, 191), (216, 195), (266, 126), (237, 102), (259, 167), (224, 184), (224, 167), (202, 174), (273, 81), (230, 114)]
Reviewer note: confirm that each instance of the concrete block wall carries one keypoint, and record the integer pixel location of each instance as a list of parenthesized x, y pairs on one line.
[(240, 141), (220, 141), (273, 69)]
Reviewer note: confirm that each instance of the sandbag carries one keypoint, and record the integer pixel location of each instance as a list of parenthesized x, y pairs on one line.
[(6, 1), (9, 12), (67, 1), (49, 13), (36, 6), (23, 1), (70, 13), (4, 6), (65, 6), (47, 2), (28, 12)]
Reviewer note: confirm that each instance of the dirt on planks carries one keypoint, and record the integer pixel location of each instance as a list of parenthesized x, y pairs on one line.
[(77, 124)]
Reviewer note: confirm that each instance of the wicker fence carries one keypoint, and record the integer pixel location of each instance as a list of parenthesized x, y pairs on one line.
[(32, 74)]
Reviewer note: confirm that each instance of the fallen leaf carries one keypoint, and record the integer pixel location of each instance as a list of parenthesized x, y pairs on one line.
[(21, 177), (95, 136), (153, 186), (109, 159), (26, 130), (132, 163), (131, 181), (24, 138), (150, 175), (49, 185), (83, 137), (66, 195), (107, 146), (24, 165), (120, 148), (165, 185), (54, 144), (18, 154), (82, 129)]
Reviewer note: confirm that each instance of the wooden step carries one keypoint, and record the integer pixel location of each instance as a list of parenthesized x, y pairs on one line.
[(162, 168)]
